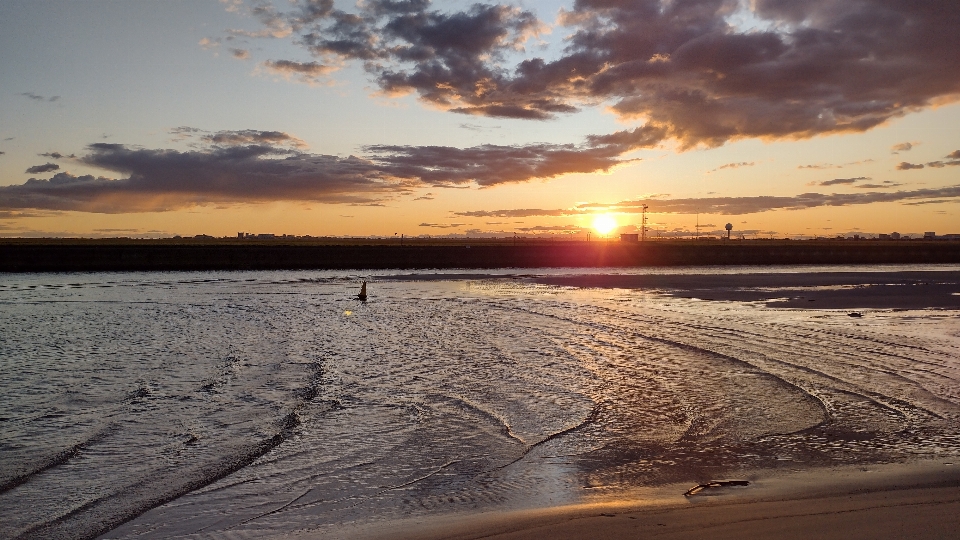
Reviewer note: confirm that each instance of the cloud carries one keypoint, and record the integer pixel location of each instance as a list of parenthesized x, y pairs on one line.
[(807, 68), (749, 205), (40, 169), (902, 147), (7, 214), (885, 185), (553, 228), (837, 181), (207, 43), (304, 71), (520, 212), (475, 127), (735, 165), (37, 97), (252, 136), (442, 225), (240, 54), (425, 197), (735, 205), (275, 26), (953, 160), (904, 166), (249, 166), (2, 152), (55, 155)]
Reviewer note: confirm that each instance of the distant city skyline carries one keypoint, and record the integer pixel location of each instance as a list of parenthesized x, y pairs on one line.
[(330, 118)]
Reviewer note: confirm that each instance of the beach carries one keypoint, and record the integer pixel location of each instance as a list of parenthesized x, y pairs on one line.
[(881, 502), (560, 403)]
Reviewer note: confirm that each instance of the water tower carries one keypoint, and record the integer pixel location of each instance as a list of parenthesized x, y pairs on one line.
[(728, 227)]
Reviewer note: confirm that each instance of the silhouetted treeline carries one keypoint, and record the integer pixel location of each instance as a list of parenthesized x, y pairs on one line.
[(107, 255)]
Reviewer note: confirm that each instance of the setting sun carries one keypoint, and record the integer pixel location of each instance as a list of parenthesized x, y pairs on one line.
[(604, 223)]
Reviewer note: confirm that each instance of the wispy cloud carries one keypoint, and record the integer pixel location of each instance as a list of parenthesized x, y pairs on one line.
[(307, 72), (40, 169), (253, 136), (240, 54), (902, 147), (732, 205), (952, 160), (734, 166), (37, 97), (842, 181), (442, 225)]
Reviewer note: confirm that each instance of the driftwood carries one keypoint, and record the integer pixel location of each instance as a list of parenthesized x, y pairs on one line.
[(723, 483)]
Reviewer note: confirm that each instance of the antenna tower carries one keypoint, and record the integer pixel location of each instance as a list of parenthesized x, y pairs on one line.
[(643, 224)]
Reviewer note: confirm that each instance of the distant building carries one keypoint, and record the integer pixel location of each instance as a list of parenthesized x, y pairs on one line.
[(240, 235), (266, 236), (949, 237), (894, 236), (929, 235), (629, 237), (884, 236)]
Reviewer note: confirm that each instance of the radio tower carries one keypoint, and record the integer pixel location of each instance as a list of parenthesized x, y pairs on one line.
[(643, 224)]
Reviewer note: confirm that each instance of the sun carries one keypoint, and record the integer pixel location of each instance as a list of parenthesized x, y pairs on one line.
[(604, 223)]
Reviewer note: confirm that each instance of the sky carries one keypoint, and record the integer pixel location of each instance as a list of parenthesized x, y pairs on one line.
[(784, 118)]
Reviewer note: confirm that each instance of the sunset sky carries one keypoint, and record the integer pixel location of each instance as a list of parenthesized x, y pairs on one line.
[(330, 118)]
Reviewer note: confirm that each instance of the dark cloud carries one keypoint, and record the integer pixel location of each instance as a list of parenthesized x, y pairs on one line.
[(809, 67), (425, 197), (37, 97), (40, 169), (953, 161), (489, 165), (837, 181), (158, 180), (252, 166), (904, 166), (55, 155), (736, 205), (2, 152), (240, 54)]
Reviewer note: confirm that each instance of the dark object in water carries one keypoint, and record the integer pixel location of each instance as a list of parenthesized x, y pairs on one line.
[(363, 292), (854, 314), (698, 488)]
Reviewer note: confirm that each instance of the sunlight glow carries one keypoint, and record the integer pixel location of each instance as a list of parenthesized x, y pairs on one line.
[(604, 223)]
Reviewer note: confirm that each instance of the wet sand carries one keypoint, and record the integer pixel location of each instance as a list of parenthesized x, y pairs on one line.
[(820, 290), (917, 501), (895, 501)]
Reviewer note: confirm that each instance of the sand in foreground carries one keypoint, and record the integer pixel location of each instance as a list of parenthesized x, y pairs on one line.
[(892, 502)]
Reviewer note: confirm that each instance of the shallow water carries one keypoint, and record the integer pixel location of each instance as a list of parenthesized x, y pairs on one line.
[(257, 403)]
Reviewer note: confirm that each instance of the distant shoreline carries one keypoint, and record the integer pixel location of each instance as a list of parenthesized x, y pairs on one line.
[(79, 255)]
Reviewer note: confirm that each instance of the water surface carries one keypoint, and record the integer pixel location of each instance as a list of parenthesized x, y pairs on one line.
[(182, 405)]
